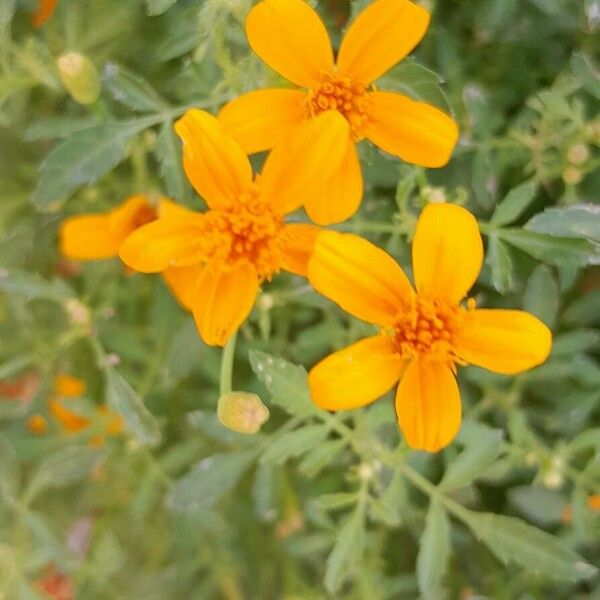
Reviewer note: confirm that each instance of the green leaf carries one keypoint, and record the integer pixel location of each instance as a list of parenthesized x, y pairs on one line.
[(7, 11), (587, 73), (264, 492), (577, 221), (576, 341), (85, 156), (294, 443), (346, 552), (552, 250), (500, 263), (124, 400), (514, 204), (209, 481), (168, 152), (57, 127), (9, 468), (539, 504), (585, 310), (483, 180), (513, 540), (288, 383), (30, 286), (542, 296), (434, 551), (131, 89), (480, 452), (158, 7), (336, 501), (320, 456), (64, 467)]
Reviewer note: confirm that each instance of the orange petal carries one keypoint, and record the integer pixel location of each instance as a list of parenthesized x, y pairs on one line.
[(182, 282), (88, 237), (165, 243), (340, 196), (381, 35), (356, 375), (428, 405), (363, 279), (298, 242), (258, 120), (213, 162), (223, 300), (447, 252), (167, 209), (132, 213), (290, 37), (45, 10), (414, 131), (503, 341), (298, 168)]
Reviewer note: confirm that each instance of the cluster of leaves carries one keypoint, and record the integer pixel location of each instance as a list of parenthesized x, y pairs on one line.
[(316, 504)]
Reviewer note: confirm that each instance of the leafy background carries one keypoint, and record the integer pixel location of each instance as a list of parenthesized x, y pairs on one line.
[(316, 505)]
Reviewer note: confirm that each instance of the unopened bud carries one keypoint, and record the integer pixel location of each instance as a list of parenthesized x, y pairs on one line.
[(437, 195), (78, 312), (578, 154), (80, 77), (242, 412), (572, 175)]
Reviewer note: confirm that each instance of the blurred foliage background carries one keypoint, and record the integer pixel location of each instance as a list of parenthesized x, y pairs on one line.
[(164, 502)]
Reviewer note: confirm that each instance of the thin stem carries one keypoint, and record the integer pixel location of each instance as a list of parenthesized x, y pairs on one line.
[(227, 365)]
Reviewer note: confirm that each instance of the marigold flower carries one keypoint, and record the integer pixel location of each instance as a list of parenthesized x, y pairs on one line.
[(45, 10), (242, 240), (100, 236), (424, 335), (289, 36)]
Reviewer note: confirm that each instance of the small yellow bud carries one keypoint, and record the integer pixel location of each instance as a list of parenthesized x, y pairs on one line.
[(242, 412), (572, 175), (578, 154), (436, 195), (78, 312), (80, 77)]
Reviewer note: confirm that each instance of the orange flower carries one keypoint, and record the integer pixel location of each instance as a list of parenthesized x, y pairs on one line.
[(424, 335), (289, 36), (100, 236), (45, 10), (68, 386), (37, 425), (593, 503), (56, 585), (242, 240)]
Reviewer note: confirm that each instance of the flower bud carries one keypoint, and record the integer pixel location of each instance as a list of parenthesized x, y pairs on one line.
[(80, 77), (578, 154), (572, 175), (242, 412)]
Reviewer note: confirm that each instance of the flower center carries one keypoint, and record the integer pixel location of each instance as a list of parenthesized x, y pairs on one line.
[(429, 327), (247, 231), (345, 96)]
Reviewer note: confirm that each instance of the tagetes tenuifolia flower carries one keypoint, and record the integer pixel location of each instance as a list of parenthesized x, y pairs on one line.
[(242, 240), (289, 36), (424, 334), (44, 11), (99, 236)]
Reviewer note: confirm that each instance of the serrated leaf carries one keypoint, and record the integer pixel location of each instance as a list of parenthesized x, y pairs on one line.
[(346, 552), (320, 456), (539, 504), (552, 250), (481, 451), (58, 127), (434, 551), (514, 204), (209, 481), (168, 152), (577, 221), (587, 73), (123, 399), (62, 468), (542, 295), (500, 263), (85, 156), (131, 89), (294, 443), (288, 383), (513, 540)]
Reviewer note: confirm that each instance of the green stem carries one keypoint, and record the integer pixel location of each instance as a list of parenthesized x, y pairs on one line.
[(227, 365)]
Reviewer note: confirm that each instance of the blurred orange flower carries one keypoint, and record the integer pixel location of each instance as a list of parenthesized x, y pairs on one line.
[(289, 36), (424, 335), (100, 236), (242, 240), (593, 503), (56, 585), (45, 10)]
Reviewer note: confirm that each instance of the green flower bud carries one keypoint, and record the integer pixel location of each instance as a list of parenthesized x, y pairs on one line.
[(242, 412), (572, 176), (578, 154), (80, 77)]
